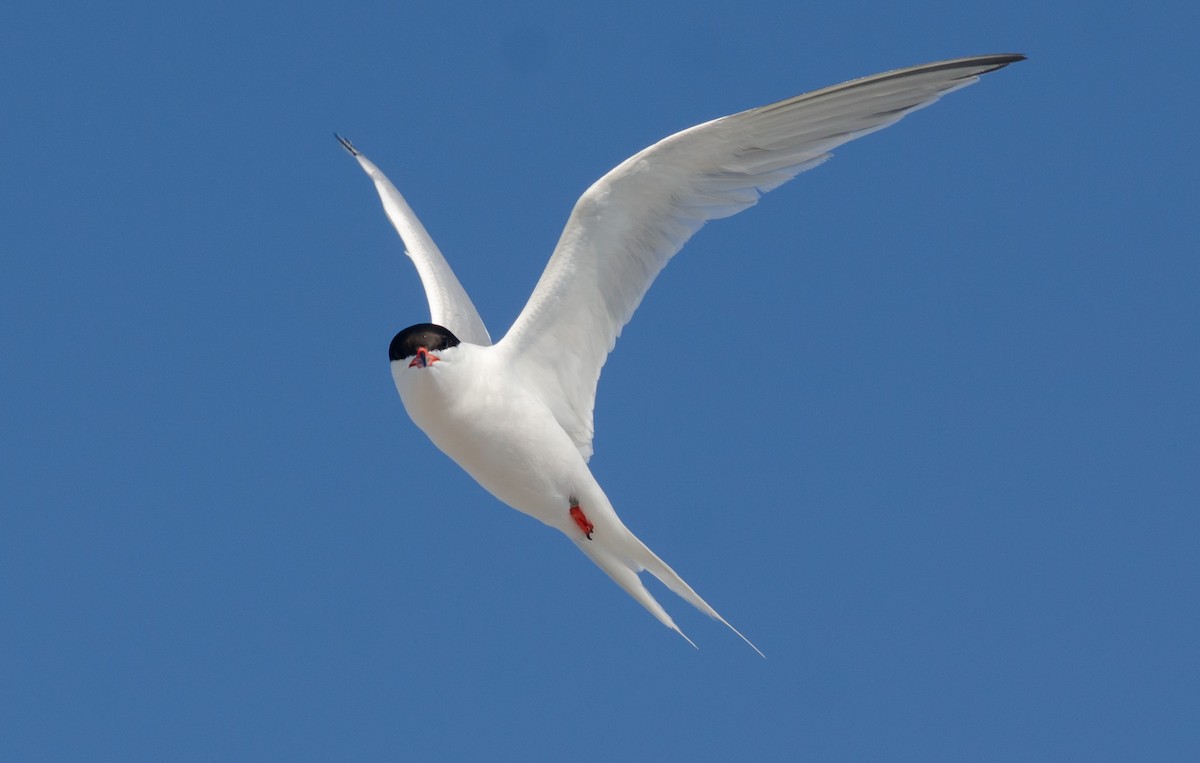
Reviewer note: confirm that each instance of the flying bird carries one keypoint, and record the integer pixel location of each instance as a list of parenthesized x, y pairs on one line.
[(517, 414)]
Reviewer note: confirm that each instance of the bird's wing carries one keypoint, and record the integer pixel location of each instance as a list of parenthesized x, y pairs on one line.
[(629, 223), (449, 305)]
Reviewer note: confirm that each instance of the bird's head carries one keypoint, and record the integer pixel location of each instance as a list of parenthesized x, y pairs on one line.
[(417, 346)]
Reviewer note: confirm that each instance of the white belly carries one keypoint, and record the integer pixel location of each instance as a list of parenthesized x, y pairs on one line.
[(505, 438)]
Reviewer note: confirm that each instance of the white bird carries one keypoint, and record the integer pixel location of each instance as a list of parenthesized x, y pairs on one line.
[(517, 414)]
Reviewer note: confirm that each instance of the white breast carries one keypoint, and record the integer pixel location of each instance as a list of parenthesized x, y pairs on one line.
[(475, 412)]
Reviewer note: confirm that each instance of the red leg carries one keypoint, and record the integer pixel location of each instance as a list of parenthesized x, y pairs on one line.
[(582, 520)]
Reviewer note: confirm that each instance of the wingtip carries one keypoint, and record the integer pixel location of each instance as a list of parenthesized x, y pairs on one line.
[(1001, 60), (977, 65), (347, 145), (1008, 58)]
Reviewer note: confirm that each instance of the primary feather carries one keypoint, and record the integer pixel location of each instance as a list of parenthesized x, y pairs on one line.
[(625, 228)]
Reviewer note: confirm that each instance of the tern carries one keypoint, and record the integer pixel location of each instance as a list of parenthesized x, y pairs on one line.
[(516, 415)]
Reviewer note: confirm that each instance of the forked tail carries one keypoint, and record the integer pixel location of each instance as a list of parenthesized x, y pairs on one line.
[(623, 566)]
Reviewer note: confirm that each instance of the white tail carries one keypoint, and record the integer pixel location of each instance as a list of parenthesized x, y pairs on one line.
[(624, 566)]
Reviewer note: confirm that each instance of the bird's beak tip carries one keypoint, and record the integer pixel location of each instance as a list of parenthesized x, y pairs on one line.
[(423, 359)]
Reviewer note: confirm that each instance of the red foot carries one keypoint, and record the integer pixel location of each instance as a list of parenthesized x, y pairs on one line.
[(582, 520)]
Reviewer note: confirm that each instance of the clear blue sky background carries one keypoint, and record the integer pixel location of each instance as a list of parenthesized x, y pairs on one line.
[(946, 479)]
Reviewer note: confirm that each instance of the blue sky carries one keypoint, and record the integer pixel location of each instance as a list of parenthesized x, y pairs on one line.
[(947, 481)]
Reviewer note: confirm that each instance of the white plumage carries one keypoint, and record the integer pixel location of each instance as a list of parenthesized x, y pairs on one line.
[(517, 415)]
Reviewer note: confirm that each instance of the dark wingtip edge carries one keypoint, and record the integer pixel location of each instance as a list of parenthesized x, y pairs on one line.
[(978, 64), (1001, 60), (346, 145)]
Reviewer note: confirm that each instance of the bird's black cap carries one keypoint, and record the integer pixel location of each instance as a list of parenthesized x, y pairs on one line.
[(428, 335)]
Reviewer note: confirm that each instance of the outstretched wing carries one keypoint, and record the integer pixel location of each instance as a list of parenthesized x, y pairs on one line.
[(449, 304), (625, 228)]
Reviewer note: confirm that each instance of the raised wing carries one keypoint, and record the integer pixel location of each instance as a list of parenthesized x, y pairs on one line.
[(449, 304), (625, 228)]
